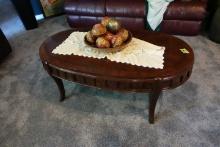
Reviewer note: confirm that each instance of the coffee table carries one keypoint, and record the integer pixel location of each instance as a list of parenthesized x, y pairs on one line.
[(105, 74)]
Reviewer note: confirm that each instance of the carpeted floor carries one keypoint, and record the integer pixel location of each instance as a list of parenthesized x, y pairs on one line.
[(31, 115)]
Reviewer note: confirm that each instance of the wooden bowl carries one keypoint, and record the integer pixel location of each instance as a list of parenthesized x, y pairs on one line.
[(111, 50)]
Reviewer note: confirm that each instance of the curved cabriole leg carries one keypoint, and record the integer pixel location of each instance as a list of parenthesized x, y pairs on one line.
[(60, 86), (153, 97)]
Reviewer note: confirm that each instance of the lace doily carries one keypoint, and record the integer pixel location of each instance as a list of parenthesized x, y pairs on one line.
[(138, 52)]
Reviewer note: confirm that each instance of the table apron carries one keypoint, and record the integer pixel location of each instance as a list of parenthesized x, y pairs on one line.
[(128, 85)]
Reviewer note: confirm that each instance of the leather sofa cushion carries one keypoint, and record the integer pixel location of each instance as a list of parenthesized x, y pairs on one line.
[(183, 27), (125, 8), (85, 7), (89, 21), (82, 21), (186, 10), (132, 24)]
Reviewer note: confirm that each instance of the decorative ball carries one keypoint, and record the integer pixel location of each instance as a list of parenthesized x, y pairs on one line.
[(90, 38), (98, 30), (101, 42), (108, 36), (105, 21), (116, 41), (113, 26), (123, 33)]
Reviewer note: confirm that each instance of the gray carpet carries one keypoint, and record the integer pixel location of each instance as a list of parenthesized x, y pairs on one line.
[(31, 115)]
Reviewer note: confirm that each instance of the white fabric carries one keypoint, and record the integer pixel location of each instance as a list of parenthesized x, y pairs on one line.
[(156, 10), (138, 52)]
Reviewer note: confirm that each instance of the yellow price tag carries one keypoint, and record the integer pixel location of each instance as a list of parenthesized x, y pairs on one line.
[(184, 51)]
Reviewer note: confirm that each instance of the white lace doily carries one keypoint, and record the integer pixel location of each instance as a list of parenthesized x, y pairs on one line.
[(138, 52)]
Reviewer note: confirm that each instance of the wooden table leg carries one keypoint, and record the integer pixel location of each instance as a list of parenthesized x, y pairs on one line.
[(60, 86), (153, 97)]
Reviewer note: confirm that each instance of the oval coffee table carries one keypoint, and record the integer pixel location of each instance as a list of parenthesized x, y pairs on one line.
[(103, 73)]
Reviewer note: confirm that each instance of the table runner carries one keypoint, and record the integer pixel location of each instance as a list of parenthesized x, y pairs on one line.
[(138, 52)]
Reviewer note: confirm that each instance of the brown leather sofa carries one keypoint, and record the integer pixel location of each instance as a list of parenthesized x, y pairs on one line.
[(182, 17)]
